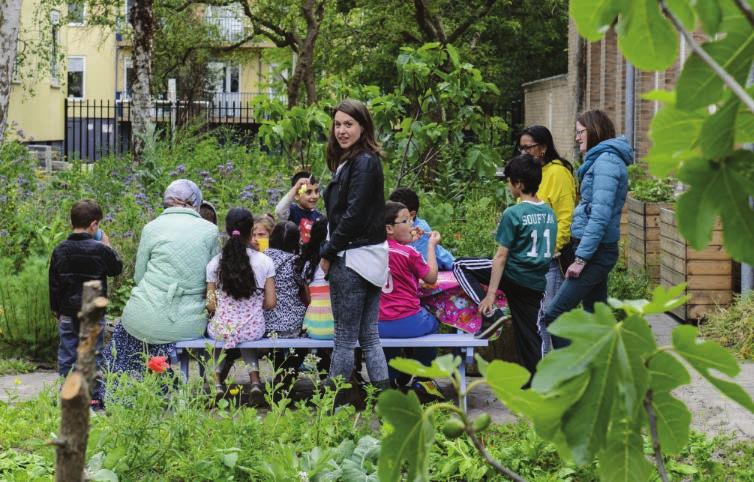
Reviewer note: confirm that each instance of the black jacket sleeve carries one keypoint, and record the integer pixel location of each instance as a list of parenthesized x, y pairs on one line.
[(365, 174), (113, 262)]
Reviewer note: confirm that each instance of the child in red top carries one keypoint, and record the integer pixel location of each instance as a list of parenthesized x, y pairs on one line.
[(401, 315)]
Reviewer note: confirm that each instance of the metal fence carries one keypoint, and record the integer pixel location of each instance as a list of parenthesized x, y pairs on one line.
[(97, 128)]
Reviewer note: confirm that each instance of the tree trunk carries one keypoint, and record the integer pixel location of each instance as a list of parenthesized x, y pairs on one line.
[(303, 72), (142, 22), (10, 18), (75, 394)]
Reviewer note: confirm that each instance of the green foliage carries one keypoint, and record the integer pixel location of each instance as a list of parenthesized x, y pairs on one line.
[(650, 189), (28, 328), (468, 227), (697, 133), (439, 110), (624, 283), (732, 327), (362, 36), (300, 133), (13, 366), (410, 440), (205, 441), (595, 399)]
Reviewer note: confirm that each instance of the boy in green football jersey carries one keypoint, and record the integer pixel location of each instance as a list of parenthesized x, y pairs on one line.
[(526, 239)]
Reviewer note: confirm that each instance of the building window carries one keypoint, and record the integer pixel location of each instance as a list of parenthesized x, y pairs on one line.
[(76, 13), (128, 78), (76, 67)]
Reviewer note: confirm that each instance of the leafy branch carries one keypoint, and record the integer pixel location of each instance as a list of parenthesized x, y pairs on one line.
[(728, 79), (587, 399)]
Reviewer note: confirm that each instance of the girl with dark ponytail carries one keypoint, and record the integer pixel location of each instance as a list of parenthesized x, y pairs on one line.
[(240, 284)]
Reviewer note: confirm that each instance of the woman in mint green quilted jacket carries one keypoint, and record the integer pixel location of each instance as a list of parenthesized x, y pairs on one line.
[(168, 302)]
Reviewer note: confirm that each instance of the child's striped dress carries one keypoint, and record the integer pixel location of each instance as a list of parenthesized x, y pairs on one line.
[(318, 319)]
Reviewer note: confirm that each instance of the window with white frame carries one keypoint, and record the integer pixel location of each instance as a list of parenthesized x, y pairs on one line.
[(76, 13), (76, 70), (128, 78)]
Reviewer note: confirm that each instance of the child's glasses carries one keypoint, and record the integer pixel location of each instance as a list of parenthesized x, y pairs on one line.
[(401, 222)]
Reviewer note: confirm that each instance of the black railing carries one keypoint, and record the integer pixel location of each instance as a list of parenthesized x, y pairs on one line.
[(96, 128)]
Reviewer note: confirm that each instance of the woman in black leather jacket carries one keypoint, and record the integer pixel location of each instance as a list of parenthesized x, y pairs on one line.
[(355, 256)]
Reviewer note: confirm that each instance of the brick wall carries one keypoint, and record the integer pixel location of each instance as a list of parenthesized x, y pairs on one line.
[(596, 79), (545, 103)]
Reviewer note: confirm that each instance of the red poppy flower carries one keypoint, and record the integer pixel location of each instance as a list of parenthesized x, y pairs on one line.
[(158, 364)]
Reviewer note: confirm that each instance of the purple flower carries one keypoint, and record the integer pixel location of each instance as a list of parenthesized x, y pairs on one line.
[(141, 199), (204, 174), (180, 169), (226, 168), (273, 195), (128, 234), (108, 218), (3, 233)]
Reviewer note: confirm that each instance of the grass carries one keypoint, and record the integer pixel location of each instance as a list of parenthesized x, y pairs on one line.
[(733, 327), (15, 366)]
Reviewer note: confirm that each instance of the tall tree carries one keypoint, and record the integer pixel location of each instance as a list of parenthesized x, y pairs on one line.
[(10, 18), (141, 19), (294, 25), (509, 41)]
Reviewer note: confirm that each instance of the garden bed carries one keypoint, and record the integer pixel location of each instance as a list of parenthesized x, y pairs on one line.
[(643, 247), (708, 273)]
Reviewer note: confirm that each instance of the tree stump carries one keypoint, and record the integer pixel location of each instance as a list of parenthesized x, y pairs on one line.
[(75, 395)]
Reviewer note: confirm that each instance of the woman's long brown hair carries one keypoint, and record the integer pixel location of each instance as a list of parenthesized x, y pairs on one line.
[(367, 142), (598, 127)]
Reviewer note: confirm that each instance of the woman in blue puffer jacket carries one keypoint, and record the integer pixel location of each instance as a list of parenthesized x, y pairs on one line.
[(595, 230)]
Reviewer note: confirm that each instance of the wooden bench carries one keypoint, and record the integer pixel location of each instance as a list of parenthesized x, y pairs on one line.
[(463, 344)]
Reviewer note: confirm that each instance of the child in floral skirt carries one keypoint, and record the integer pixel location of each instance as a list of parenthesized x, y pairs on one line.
[(240, 284)]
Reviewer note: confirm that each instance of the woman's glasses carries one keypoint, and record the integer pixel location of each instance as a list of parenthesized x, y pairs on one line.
[(524, 149)]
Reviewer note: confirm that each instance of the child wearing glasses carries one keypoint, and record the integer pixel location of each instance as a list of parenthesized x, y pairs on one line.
[(401, 315), (421, 229)]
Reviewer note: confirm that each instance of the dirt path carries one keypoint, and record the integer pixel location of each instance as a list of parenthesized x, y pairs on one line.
[(712, 413)]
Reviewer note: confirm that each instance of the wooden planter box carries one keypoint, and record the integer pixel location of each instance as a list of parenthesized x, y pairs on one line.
[(644, 236), (709, 273)]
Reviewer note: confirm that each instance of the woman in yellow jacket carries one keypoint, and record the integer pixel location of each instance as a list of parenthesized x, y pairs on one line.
[(558, 189)]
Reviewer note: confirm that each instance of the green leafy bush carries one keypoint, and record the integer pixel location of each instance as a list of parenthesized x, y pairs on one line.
[(732, 327), (13, 366), (153, 432), (628, 284), (28, 328), (612, 378), (468, 227)]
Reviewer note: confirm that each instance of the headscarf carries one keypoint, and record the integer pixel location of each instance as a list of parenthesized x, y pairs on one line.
[(183, 191)]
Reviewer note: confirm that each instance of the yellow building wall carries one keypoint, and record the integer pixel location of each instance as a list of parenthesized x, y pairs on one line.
[(97, 46), (36, 110), (36, 103)]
